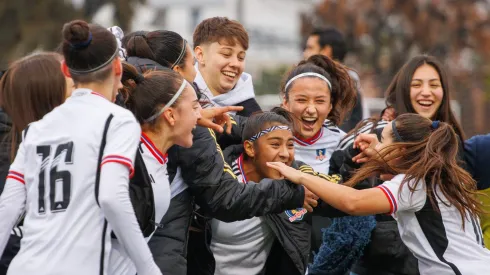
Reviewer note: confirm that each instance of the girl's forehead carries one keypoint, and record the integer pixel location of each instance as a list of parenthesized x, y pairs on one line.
[(308, 86)]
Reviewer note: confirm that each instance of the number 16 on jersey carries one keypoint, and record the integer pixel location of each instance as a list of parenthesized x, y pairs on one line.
[(58, 199)]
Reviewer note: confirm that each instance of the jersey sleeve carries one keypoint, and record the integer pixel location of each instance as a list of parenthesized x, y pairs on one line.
[(403, 199), (122, 142), (12, 200)]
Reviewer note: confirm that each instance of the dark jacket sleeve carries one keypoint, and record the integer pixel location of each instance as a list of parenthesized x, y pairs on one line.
[(168, 245), (477, 157), (341, 162), (225, 140), (324, 209), (354, 117), (250, 106), (220, 194), (5, 147)]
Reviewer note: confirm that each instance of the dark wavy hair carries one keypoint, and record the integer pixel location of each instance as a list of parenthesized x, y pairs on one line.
[(343, 93)]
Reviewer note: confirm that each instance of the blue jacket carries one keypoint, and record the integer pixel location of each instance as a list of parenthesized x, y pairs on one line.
[(477, 158)]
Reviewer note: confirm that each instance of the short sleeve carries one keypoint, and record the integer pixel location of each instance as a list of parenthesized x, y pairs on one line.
[(403, 199), (17, 168), (122, 141)]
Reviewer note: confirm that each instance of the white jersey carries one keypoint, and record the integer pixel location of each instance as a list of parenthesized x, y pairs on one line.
[(317, 150), (156, 165), (65, 231), (437, 240), (241, 247)]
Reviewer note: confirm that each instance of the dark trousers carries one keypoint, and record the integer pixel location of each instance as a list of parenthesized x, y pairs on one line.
[(11, 249)]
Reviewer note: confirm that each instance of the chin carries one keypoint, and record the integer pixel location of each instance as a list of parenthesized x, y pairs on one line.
[(186, 143), (307, 133)]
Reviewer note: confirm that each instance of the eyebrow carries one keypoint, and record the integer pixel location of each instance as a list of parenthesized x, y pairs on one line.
[(278, 138), (429, 79)]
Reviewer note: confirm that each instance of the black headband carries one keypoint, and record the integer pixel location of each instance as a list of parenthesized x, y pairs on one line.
[(398, 138)]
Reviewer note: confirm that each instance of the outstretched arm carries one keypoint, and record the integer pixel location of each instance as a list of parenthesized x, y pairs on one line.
[(352, 201)]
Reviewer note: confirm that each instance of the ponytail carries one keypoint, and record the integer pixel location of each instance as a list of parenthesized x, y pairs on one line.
[(167, 48), (138, 46), (145, 94)]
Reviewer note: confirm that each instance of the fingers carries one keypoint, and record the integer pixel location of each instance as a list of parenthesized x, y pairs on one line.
[(229, 124), (307, 207), (310, 194), (205, 122), (216, 111), (309, 204), (234, 108)]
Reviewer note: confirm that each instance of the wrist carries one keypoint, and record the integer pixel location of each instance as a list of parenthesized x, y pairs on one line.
[(302, 178)]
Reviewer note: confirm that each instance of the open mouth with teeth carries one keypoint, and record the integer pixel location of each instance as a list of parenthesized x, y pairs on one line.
[(229, 75), (425, 103), (309, 122)]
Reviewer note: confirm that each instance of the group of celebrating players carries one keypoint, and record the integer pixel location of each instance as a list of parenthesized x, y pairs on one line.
[(140, 154)]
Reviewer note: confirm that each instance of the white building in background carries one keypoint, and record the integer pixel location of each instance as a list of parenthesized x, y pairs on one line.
[(273, 25)]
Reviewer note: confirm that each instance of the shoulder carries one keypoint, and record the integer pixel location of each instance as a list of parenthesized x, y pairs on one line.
[(331, 127), (369, 127), (120, 114)]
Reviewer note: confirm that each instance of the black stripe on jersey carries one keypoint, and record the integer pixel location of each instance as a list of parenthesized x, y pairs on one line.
[(480, 231), (432, 225), (25, 132), (101, 154), (368, 128), (475, 229), (102, 252)]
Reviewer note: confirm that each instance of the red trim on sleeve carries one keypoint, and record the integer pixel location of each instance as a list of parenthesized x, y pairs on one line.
[(120, 159), (16, 176), (390, 197)]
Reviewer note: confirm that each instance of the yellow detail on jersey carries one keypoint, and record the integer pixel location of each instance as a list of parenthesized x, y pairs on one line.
[(485, 217), (227, 167), (332, 178)]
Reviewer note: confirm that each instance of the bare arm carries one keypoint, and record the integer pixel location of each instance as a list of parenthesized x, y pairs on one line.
[(347, 199)]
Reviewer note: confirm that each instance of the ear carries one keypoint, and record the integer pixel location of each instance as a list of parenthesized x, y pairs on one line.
[(330, 107), (199, 54), (177, 69), (327, 51), (169, 116), (248, 147), (285, 103), (64, 69), (118, 67)]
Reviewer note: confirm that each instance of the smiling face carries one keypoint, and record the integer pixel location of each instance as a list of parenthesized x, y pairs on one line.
[(276, 146), (309, 102), (221, 65), (426, 92), (185, 115)]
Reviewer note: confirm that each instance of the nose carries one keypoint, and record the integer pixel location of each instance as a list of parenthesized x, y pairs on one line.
[(235, 62), (426, 90), (311, 109), (283, 152), (198, 112)]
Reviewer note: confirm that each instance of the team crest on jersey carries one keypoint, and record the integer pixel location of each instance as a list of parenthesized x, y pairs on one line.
[(296, 214), (320, 154)]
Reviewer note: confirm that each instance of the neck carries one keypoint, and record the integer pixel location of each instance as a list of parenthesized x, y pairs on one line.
[(161, 140), (104, 88), (205, 77), (250, 171)]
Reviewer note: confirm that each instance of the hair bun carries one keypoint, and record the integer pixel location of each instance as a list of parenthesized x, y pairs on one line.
[(77, 34)]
